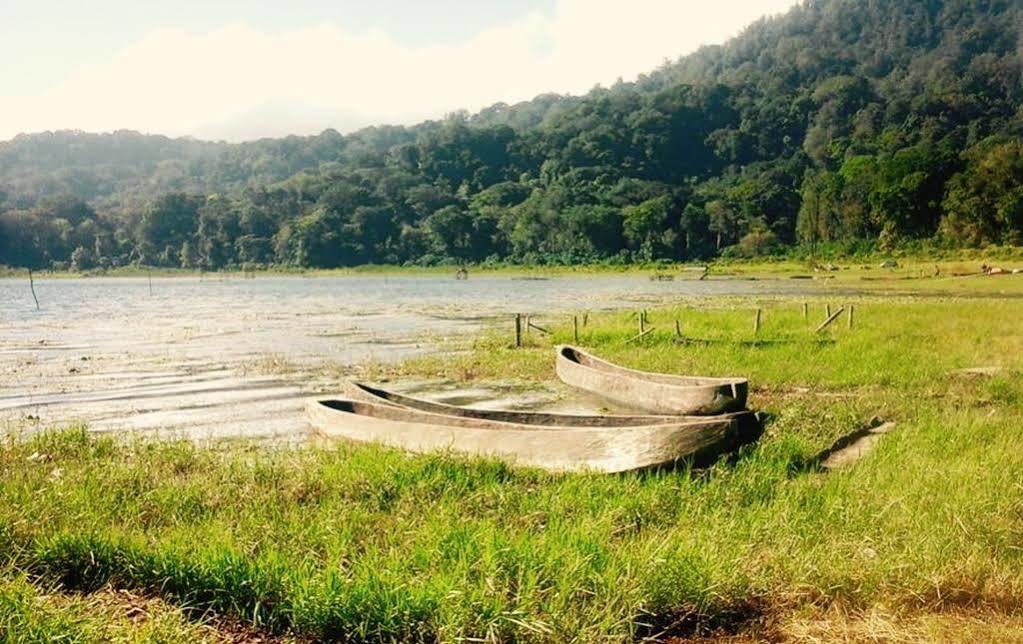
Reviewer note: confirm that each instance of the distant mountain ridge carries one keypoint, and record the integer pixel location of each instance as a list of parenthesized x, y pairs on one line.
[(849, 122)]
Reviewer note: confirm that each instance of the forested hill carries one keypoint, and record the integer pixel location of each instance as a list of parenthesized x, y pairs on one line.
[(850, 123)]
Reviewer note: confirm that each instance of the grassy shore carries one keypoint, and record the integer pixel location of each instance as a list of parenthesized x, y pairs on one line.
[(909, 265), (923, 535)]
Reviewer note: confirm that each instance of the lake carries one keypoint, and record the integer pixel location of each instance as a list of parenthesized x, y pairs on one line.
[(185, 359)]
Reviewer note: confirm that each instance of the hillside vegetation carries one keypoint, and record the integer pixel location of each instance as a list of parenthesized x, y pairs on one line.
[(852, 124)]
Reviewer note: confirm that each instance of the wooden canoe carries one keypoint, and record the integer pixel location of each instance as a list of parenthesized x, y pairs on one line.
[(656, 393), (365, 393), (559, 449)]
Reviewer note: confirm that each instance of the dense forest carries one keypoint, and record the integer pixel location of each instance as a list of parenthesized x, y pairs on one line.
[(845, 124)]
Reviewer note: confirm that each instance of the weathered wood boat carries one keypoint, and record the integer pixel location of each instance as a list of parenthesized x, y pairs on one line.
[(554, 448), (656, 393), (365, 393)]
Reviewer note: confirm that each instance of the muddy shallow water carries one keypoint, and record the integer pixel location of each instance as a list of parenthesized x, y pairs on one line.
[(179, 360)]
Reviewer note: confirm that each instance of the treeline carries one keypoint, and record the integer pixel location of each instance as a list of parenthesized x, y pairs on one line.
[(855, 123)]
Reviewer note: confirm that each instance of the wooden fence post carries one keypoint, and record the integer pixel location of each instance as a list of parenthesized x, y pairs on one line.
[(575, 327), (852, 310), (831, 318), (518, 329), (641, 335), (756, 322), (32, 287), (530, 324)]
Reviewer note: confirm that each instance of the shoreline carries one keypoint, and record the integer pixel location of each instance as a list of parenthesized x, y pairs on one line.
[(765, 266)]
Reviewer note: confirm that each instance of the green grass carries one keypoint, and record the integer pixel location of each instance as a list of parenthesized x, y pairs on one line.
[(366, 543)]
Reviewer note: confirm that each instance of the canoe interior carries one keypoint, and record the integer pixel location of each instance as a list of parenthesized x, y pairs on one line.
[(408, 415), (587, 360), (362, 391)]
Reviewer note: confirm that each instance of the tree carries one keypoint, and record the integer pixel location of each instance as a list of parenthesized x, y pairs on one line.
[(168, 223), (217, 229), (82, 259), (696, 235), (819, 218), (984, 203), (188, 256), (723, 221), (451, 230), (645, 225)]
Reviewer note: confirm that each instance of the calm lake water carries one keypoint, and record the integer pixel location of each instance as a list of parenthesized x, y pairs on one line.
[(106, 351), (191, 300)]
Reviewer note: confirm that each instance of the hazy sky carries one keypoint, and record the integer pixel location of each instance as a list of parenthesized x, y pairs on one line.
[(242, 69)]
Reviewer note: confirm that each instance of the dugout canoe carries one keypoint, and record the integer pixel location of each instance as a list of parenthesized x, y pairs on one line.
[(553, 448), (656, 393), (365, 393)]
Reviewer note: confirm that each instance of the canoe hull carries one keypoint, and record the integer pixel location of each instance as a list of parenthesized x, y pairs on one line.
[(558, 449), (651, 392)]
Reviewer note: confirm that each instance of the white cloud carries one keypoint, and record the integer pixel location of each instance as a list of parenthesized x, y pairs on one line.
[(239, 83)]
